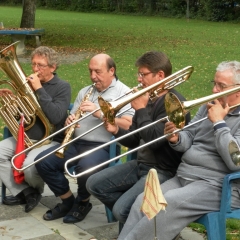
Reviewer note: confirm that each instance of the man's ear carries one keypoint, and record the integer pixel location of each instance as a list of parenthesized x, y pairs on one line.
[(53, 68), (161, 74), (112, 71)]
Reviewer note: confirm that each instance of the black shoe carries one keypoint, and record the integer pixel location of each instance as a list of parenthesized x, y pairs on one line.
[(32, 201), (11, 200), (77, 213)]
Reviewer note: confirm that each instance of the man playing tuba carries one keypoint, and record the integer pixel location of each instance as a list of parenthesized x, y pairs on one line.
[(53, 96)]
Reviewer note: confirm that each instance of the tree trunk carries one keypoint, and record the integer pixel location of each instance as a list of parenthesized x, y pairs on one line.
[(187, 11), (28, 14)]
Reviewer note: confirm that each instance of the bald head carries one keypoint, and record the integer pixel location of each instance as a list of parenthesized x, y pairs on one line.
[(102, 70)]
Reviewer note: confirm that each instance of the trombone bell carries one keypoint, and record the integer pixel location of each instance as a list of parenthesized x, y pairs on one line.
[(107, 109), (177, 110), (174, 110)]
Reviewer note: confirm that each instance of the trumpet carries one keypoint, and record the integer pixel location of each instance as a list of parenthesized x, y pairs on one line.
[(179, 111), (69, 132), (64, 128)]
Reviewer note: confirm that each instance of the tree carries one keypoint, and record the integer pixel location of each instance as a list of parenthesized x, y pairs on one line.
[(187, 12), (28, 14)]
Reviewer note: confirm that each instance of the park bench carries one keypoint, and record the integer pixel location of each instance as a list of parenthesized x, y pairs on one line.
[(19, 34)]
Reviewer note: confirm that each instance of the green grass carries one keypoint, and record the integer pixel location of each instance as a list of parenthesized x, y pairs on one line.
[(197, 43)]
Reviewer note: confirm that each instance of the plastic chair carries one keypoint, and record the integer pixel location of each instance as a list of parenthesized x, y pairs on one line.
[(215, 222)]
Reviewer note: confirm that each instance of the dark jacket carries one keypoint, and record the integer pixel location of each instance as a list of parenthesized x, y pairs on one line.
[(54, 98), (158, 154)]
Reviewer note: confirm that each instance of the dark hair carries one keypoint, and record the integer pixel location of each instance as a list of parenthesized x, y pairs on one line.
[(111, 64), (155, 61)]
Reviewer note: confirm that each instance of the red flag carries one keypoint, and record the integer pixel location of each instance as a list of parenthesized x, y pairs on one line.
[(18, 161)]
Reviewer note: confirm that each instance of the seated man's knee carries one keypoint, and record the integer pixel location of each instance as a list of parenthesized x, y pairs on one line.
[(92, 184), (120, 213)]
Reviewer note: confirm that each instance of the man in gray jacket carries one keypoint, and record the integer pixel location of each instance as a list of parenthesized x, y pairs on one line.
[(196, 188)]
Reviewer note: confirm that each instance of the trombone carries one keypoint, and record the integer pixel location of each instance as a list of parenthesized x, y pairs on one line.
[(63, 145), (177, 116), (110, 109)]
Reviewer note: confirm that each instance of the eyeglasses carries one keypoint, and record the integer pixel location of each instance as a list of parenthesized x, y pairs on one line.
[(221, 86), (142, 75), (39, 66)]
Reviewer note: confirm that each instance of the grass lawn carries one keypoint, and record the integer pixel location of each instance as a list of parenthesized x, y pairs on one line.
[(197, 43)]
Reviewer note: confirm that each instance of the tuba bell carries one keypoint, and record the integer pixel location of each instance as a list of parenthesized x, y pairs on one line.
[(23, 101)]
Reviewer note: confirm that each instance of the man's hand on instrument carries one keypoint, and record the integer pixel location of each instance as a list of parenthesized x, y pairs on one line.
[(111, 128), (88, 106), (140, 102), (5, 91), (169, 128), (34, 81), (216, 112), (71, 118)]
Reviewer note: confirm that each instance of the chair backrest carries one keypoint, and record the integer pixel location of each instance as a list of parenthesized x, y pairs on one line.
[(215, 222)]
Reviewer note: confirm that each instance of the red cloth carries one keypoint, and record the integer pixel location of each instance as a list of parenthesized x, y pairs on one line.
[(18, 161)]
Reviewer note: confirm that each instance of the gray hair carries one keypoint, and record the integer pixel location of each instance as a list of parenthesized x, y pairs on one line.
[(234, 66), (49, 53)]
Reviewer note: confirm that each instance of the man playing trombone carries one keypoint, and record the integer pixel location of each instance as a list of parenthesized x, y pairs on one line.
[(117, 187), (207, 159), (102, 71)]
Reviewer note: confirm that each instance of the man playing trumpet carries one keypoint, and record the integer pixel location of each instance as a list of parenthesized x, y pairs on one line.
[(102, 71)]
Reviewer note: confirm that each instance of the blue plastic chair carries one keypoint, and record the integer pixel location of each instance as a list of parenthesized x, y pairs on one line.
[(215, 222)]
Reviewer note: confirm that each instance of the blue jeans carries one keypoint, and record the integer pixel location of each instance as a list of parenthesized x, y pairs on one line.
[(118, 187), (51, 169)]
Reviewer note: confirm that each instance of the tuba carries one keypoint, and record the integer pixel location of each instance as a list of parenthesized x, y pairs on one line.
[(23, 101)]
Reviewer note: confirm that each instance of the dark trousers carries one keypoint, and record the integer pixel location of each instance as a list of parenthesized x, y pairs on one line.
[(51, 169)]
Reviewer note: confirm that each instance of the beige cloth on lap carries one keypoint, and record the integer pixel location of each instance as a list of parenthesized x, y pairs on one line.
[(153, 199)]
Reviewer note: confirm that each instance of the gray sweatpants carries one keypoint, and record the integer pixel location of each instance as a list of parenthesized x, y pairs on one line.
[(7, 151), (187, 201)]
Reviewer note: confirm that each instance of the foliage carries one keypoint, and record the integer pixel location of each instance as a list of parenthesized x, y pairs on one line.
[(218, 10)]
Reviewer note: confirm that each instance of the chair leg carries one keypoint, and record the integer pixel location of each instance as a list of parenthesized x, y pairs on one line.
[(120, 227), (3, 191), (110, 216), (215, 226)]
